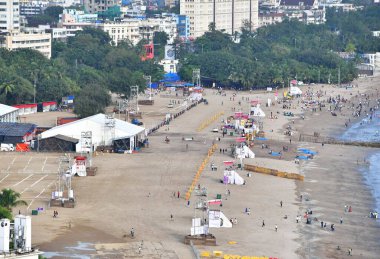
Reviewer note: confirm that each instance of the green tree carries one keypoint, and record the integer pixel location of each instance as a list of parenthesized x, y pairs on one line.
[(6, 88), (10, 199), (92, 99), (5, 213)]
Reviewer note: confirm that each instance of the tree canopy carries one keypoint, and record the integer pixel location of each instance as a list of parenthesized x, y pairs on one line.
[(274, 54), (87, 61)]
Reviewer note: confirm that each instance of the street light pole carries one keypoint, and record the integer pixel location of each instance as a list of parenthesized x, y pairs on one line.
[(34, 93)]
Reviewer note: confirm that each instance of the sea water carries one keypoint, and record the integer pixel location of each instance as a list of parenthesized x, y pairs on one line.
[(368, 130)]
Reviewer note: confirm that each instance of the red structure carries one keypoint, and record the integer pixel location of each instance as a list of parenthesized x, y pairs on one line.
[(149, 52)]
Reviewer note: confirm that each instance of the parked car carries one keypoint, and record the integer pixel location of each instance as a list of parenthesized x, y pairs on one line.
[(7, 147), (170, 105)]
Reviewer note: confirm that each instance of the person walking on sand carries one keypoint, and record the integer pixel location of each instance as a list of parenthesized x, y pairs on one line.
[(281, 204), (263, 225), (178, 194), (275, 228), (341, 220), (171, 217)]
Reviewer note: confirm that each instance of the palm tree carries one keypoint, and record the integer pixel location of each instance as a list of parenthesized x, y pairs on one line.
[(6, 88), (9, 199)]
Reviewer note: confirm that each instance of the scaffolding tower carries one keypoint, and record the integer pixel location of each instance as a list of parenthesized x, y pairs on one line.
[(134, 104), (109, 127), (197, 77)]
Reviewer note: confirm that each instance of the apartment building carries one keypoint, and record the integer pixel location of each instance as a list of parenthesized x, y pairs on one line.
[(39, 41), (95, 6), (135, 30), (9, 16), (12, 37), (227, 15), (125, 30)]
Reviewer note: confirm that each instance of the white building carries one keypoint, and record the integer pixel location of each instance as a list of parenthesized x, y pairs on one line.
[(270, 18), (373, 60), (376, 33), (8, 113), (164, 24), (227, 15), (126, 30), (94, 6), (9, 16), (134, 30), (37, 41), (104, 131)]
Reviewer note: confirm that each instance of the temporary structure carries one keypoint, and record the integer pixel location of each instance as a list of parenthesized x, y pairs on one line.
[(104, 130), (256, 111), (244, 152), (294, 90), (232, 177), (216, 219)]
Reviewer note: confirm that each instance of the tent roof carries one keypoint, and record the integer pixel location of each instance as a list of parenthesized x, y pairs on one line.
[(4, 109), (93, 123), (66, 138), (13, 129)]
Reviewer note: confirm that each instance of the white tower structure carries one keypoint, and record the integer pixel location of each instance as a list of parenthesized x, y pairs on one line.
[(23, 233), (4, 235)]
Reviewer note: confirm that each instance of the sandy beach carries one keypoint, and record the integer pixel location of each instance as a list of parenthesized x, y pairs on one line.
[(136, 190)]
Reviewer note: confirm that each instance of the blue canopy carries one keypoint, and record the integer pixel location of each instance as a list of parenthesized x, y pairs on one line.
[(171, 77), (154, 85)]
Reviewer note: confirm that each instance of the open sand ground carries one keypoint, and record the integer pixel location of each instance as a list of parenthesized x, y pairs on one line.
[(117, 198)]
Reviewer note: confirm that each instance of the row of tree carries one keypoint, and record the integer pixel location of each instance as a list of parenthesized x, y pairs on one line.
[(87, 66)]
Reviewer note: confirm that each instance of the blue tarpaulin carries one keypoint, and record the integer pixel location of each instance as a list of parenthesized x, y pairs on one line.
[(258, 138), (307, 151), (302, 157), (275, 153)]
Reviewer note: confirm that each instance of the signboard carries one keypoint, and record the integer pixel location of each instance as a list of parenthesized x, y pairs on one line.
[(86, 141), (169, 52)]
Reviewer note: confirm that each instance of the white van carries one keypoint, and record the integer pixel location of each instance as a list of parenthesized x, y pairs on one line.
[(7, 147)]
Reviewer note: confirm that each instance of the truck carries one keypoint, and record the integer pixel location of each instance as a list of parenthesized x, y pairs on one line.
[(7, 147)]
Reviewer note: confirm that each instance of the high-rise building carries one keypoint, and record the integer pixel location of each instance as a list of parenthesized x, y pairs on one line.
[(13, 37), (9, 16), (227, 15), (95, 6)]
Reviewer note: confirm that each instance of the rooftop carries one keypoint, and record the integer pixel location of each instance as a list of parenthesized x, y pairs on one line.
[(14, 129), (5, 109)]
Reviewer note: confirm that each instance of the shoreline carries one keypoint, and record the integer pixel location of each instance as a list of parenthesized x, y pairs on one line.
[(324, 244)]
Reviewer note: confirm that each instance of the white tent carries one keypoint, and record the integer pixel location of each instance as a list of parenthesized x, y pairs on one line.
[(244, 152), (233, 177), (103, 130), (294, 90), (256, 111), (216, 219)]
